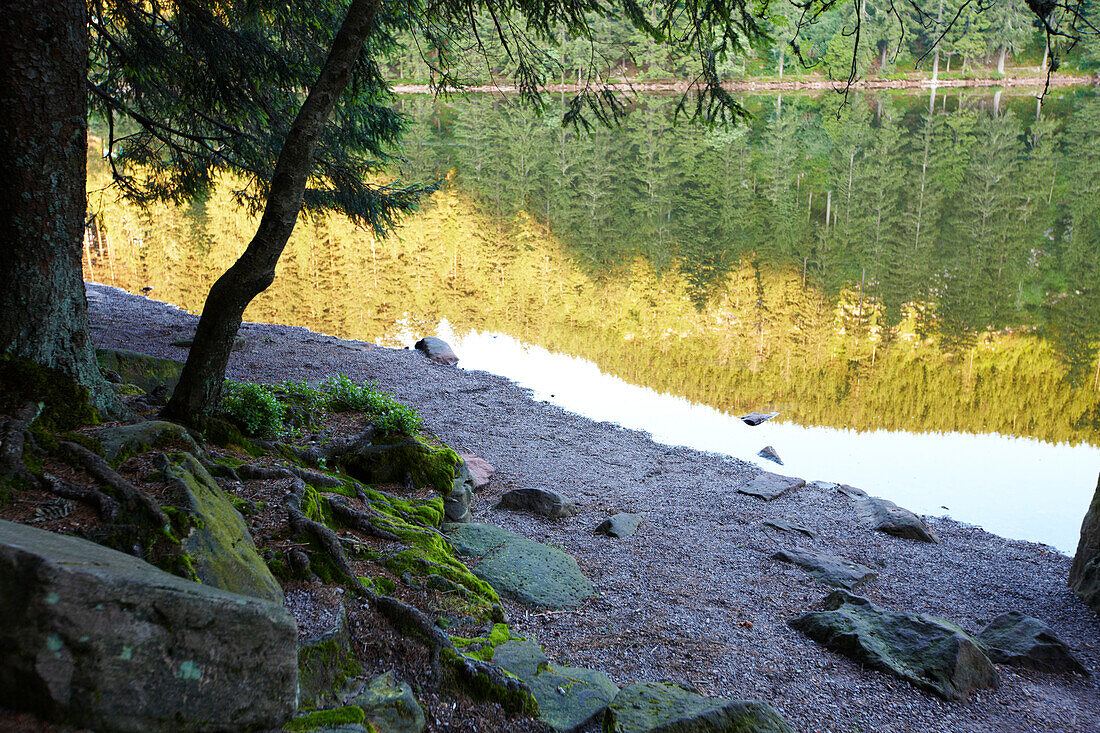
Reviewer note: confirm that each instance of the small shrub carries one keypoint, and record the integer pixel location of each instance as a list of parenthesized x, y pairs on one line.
[(304, 405), (392, 417), (254, 407)]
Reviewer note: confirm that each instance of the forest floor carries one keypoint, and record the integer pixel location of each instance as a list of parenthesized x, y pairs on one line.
[(693, 597)]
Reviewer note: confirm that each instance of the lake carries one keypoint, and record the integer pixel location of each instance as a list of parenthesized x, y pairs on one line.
[(909, 281)]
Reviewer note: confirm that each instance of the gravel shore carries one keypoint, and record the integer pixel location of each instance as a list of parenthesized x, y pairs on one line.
[(693, 597)]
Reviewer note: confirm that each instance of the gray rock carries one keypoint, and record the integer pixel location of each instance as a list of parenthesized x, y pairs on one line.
[(98, 639), (544, 502), (219, 543), (437, 350), (931, 653), (569, 697), (888, 517), (1022, 641), (325, 662), (851, 491), (621, 525), (481, 471), (147, 372), (123, 441), (769, 486), (755, 418), (784, 525), (768, 452), (656, 706), (390, 705), (520, 569), (829, 569), (456, 505), (1084, 573)]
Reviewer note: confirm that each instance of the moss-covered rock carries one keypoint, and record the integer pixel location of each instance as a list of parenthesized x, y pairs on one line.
[(390, 463), (65, 403), (323, 719), (325, 663), (119, 442), (389, 705), (147, 372), (219, 541), (655, 706)]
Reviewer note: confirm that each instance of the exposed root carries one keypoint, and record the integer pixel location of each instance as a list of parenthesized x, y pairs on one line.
[(129, 494), (320, 480), (13, 437), (105, 506), (318, 455), (263, 473), (326, 538), (360, 521)]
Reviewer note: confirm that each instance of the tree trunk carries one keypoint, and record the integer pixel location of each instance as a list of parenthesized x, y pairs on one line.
[(43, 113), (200, 384), (1001, 61)]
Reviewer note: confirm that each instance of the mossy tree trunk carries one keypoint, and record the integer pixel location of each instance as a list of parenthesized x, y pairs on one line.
[(200, 384), (43, 114)]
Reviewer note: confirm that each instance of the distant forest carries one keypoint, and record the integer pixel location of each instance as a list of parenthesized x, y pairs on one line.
[(978, 39)]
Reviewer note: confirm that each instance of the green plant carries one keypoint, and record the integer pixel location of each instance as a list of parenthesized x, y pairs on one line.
[(255, 407), (305, 405), (391, 417)]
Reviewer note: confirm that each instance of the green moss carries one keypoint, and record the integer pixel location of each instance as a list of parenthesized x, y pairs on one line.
[(391, 463), (326, 665), (516, 702), (349, 715), (65, 403), (482, 647), (382, 586), (92, 444), (130, 390), (224, 434), (316, 507), (278, 568)]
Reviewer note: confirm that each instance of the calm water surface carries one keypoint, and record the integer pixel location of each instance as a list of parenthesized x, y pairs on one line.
[(910, 282)]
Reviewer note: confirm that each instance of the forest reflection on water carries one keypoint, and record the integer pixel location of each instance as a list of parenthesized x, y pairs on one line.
[(904, 266)]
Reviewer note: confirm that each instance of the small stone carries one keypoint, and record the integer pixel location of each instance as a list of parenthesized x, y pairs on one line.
[(888, 517), (769, 486), (619, 526), (481, 471), (768, 453), (544, 502), (829, 569), (437, 350), (786, 526)]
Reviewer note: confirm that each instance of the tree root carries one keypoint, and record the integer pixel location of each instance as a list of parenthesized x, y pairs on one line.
[(105, 506), (100, 470), (13, 437), (318, 455), (361, 521)]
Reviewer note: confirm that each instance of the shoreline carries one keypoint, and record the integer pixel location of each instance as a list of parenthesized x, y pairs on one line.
[(694, 596)]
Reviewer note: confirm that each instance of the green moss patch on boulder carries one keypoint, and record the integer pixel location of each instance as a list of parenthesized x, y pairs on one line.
[(147, 372), (325, 663), (222, 548), (389, 705), (323, 719), (65, 403), (120, 442), (657, 706), (390, 463)]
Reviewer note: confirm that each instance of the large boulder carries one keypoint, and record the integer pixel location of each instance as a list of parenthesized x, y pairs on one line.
[(931, 653), (521, 569), (147, 372), (1084, 573), (658, 706), (769, 486), (1023, 641), (437, 350), (888, 517), (828, 569), (544, 502), (123, 441), (569, 698), (98, 639), (219, 543)]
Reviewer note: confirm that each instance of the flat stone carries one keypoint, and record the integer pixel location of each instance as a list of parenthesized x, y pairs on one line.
[(621, 525), (98, 639), (769, 453), (219, 543), (1023, 641), (437, 350), (481, 471), (1084, 573), (521, 569), (829, 569), (930, 653), (769, 486), (544, 502), (569, 698), (390, 705), (657, 706), (755, 418), (784, 525), (888, 517), (123, 441)]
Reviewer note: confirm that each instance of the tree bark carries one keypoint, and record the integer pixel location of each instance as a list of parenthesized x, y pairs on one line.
[(43, 149), (200, 384)]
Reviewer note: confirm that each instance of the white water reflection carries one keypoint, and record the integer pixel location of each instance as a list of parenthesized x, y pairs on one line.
[(1014, 487)]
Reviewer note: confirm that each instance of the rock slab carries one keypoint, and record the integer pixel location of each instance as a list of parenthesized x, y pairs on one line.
[(99, 639), (1023, 641), (146, 372), (888, 517), (784, 525), (437, 350), (656, 706), (932, 654), (828, 569), (569, 698), (1084, 573), (770, 486), (544, 502), (521, 569), (619, 526), (220, 544)]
